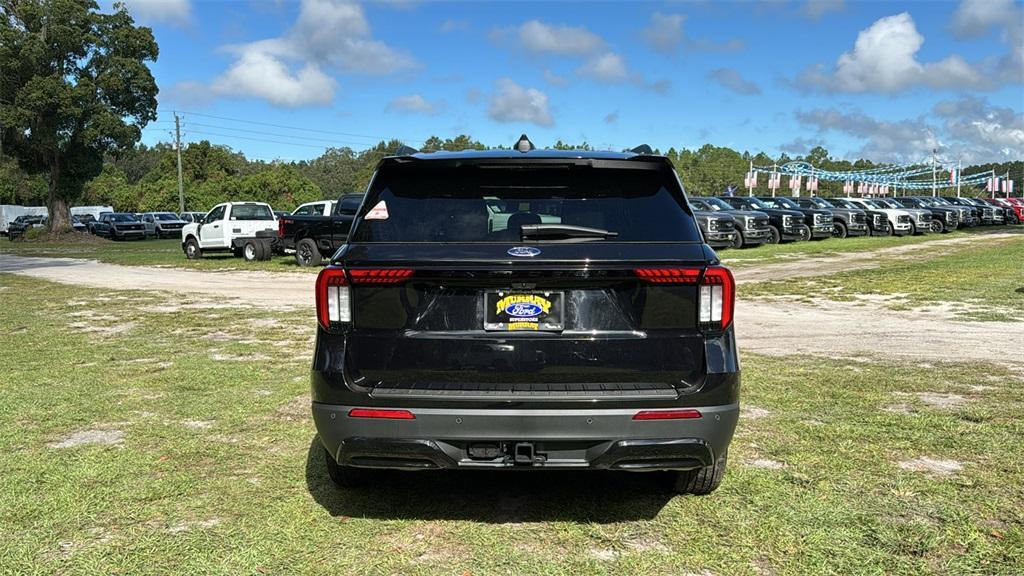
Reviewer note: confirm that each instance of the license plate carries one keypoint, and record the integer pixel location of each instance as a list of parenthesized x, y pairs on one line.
[(511, 311)]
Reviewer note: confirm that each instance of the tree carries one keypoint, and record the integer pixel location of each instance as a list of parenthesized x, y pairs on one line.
[(75, 87)]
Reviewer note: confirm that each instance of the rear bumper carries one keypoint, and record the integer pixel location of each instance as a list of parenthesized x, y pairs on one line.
[(559, 438)]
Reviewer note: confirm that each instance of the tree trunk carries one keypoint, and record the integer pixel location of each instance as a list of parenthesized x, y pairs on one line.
[(60, 216)]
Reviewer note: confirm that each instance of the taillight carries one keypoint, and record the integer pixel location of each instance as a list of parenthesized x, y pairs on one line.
[(332, 297), (381, 413), (379, 275), (717, 298), (280, 228), (668, 275), (666, 414)]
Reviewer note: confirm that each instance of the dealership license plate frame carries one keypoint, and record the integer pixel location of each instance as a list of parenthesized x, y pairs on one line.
[(550, 320)]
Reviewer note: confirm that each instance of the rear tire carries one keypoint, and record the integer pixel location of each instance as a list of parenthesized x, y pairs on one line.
[(192, 249), (775, 236), (702, 480), (839, 230), (307, 254), (346, 476), (252, 251)]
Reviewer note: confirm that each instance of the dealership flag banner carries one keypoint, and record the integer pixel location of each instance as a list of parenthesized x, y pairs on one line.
[(794, 184), (1007, 187), (848, 187)]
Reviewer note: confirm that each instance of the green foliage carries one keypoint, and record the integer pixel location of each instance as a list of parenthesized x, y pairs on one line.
[(76, 86), (19, 187)]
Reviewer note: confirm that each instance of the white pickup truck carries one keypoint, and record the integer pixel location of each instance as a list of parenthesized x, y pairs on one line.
[(246, 229)]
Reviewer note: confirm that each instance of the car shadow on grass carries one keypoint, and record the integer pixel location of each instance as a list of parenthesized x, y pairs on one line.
[(492, 496)]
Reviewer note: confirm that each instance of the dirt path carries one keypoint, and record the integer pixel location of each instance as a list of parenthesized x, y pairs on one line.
[(834, 329), (847, 329), (823, 265), (265, 288)]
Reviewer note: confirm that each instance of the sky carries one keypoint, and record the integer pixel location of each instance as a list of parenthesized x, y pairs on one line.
[(888, 81)]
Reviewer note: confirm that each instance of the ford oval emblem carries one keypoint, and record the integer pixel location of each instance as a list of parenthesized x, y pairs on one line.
[(524, 251), (523, 310)]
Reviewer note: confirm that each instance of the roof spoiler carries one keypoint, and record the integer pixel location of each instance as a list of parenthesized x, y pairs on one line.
[(642, 149), (404, 150)]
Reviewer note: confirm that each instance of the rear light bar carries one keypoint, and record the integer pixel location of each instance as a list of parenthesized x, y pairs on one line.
[(716, 297), (333, 297), (666, 414), (379, 275), (668, 275), (381, 414)]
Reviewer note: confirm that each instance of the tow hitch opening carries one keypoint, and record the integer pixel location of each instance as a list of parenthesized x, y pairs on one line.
[(523, 453)]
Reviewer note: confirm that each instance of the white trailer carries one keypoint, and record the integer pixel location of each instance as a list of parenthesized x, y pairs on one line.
[(8, 212)]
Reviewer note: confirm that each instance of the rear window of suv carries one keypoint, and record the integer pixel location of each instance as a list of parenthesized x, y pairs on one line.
[(490, 204)]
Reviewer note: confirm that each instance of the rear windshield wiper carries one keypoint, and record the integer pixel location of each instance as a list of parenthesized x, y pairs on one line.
[(564, 231)]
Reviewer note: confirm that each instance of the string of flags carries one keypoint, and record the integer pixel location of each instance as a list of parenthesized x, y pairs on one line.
[(873, 181)]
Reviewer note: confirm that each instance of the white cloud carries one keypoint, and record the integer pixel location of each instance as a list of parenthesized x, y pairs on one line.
[(415, 104), (607, 67), (665, 34), (732, 80), (513, 103), (665, 31), (969, 127), (540, 38), (884, 59), (177, 12), (554, 79), (258, 74), (815, 9), (290, 70), (974, 17)]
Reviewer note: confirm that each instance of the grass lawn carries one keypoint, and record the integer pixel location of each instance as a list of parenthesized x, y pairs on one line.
[(773, 253), (146, 435), (983, 282), (147, 253)]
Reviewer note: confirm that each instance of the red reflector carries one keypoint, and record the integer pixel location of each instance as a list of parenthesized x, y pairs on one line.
[(666, 414), (379, 275), (668, 275), (385, 414)]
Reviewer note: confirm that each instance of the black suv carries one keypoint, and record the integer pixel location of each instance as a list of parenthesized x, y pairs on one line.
[(526, 309)]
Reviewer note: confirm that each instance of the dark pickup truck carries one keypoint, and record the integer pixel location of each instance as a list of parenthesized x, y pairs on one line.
[(784, 225), (845, 221), (316, 237), (818, 220)]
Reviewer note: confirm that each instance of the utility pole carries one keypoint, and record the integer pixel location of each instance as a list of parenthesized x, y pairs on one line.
[(934, 151), (177, 147), (959, 165)]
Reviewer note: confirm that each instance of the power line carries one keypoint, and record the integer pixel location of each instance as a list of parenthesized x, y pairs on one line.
[(262, 133), (302, 129), (259, 140)]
